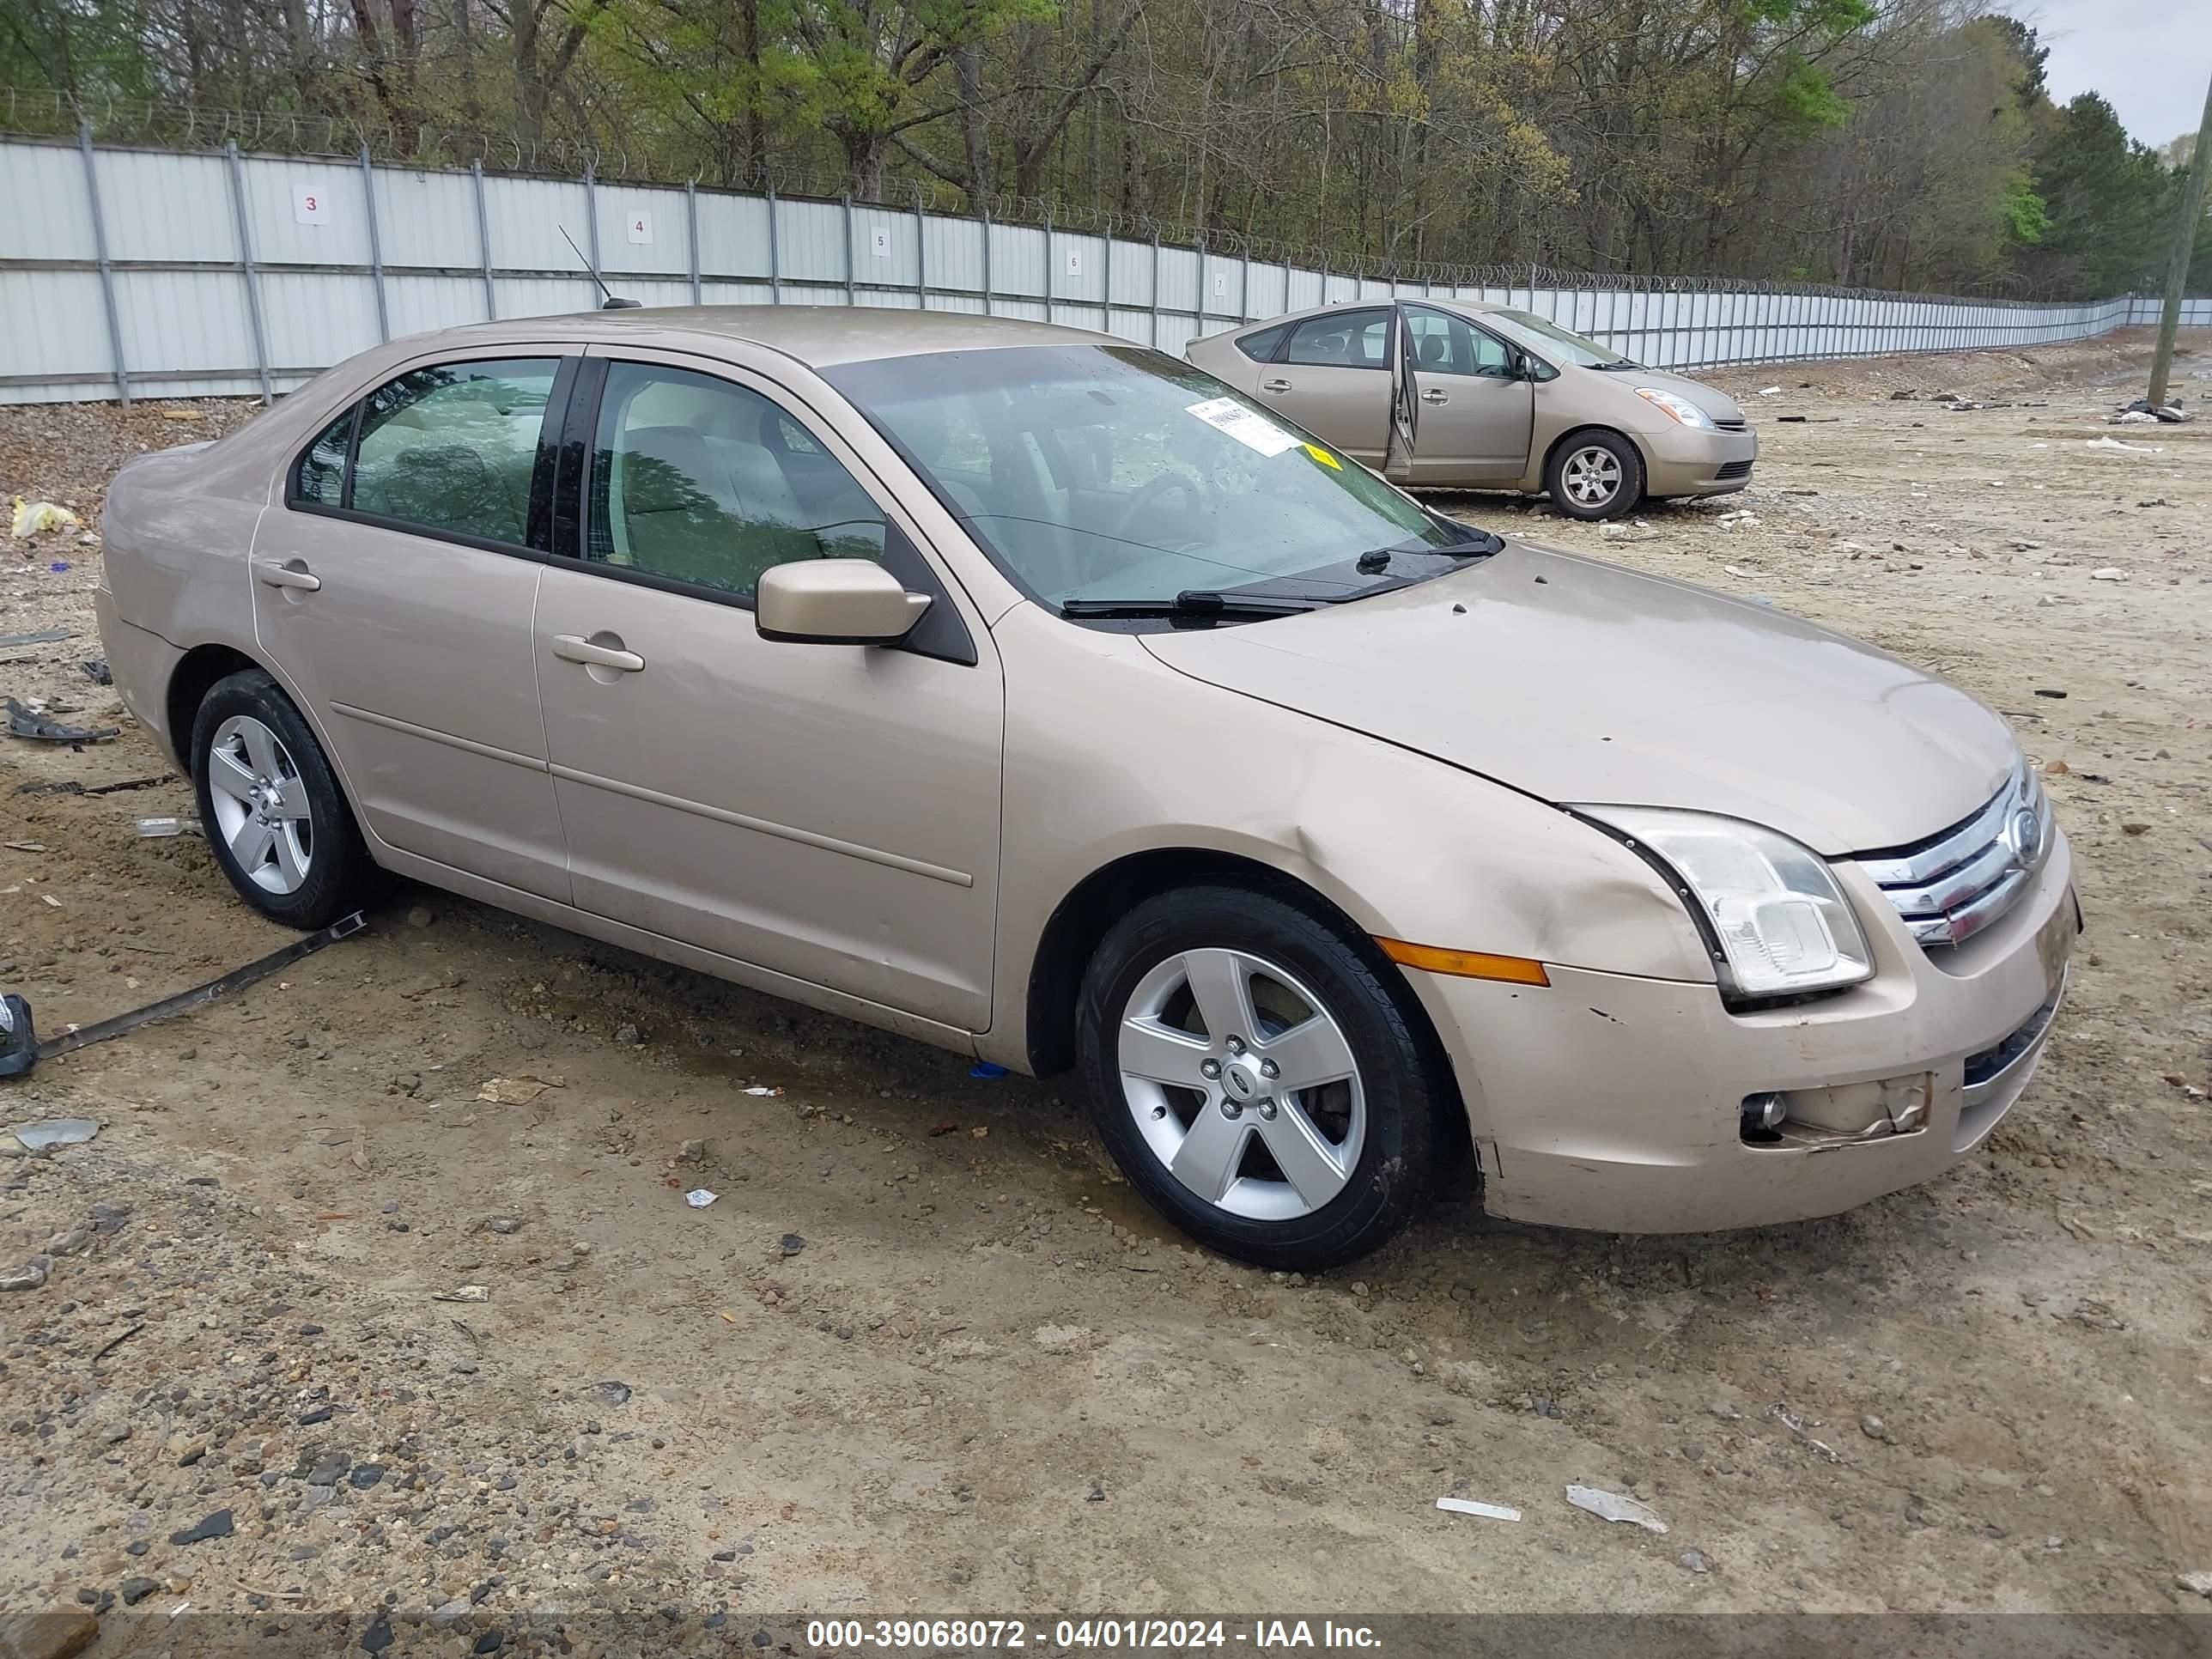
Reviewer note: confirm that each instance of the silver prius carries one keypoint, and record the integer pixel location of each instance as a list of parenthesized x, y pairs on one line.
[(1487, 397), (1044, 698)]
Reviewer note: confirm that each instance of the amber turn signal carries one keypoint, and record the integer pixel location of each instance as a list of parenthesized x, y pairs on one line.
[(1465, 965)]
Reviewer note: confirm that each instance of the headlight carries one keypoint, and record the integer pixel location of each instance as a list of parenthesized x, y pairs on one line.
[(1679, 407), (1784, 925)]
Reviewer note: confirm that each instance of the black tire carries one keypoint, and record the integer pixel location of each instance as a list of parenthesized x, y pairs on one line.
[(1394, 1175), (339, 875), (1628, 493)]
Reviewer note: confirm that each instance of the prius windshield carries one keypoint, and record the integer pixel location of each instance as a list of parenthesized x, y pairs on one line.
[(1548, 337), (1104, 474)]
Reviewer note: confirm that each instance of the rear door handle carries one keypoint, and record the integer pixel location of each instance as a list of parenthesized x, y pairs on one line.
[(573, 647), (293, 574), (1274, 385)]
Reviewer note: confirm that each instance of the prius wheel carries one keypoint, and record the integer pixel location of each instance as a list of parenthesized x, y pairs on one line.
[(1595, 475), (280, 826), (1256, 1080)]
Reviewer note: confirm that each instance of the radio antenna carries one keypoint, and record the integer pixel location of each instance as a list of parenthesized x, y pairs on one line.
[(611, 302)]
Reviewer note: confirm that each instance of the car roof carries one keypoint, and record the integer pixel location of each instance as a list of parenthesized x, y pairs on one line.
[(818, 336), (1375, 302)]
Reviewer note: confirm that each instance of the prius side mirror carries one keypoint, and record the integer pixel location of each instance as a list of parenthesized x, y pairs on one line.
[(835, 602)]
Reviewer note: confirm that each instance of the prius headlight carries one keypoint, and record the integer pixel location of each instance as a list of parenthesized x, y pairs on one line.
[(1782, 924), (1676, 405)]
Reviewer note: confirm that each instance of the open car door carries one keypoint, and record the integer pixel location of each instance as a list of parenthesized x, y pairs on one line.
[(1405, 400)]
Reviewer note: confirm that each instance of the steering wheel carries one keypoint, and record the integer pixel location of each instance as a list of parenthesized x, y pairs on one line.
[(1161, 487)]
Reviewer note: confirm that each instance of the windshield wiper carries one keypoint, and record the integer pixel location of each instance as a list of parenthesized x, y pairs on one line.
[(1192, 602), (1622, 362)]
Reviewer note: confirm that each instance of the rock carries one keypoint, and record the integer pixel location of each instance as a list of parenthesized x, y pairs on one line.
[(2199, 1584), (365, 1475), (1874, 1428), (2135, 828), (610, 1394), (502, 1223), (421, 916), (135, 1590), (1695, 1561), (28, 1276), (318, 1414), (54, 1634), (629, 1034), (50, 1133), (70, 1243), (217, 1525), (791, 1245)]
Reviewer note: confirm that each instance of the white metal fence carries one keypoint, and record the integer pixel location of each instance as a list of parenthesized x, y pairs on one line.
[(130, 272)]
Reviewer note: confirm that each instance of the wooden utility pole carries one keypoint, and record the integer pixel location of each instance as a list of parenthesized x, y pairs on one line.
[(2185, 240)]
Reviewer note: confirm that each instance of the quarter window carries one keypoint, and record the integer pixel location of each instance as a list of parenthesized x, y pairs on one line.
[(452, 447), (319, 477), (703, 481), (1261, 344), (1342, 339)]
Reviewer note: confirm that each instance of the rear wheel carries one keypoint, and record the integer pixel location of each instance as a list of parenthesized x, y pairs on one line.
[(1595, 475), (274, 814), (1256, 1080)]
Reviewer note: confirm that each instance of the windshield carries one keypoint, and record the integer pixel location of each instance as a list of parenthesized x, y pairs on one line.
[(1553, 341), (1100, 473)]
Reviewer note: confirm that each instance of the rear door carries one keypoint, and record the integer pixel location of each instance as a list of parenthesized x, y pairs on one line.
[(1334, 379), (394, 589), (1476, 409)]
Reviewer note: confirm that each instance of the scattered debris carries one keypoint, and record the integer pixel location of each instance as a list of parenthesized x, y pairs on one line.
[(1795, 1425), (45, 1135), (33, 517), (699, 1198), (791, 1245), (1742, 517), (1905, 396), (1770, 392), (2114, 443), (518, 1090), (28, 1276), (2134, 417), (763, 1088), (67, 787), (217, 1525), (1468, 1506), (612, 1393), (166, 829), (44, 636), (1612, 1506), (1734, 570), (2110, 572), (2197, 1583), (1695, 1561), (985, 1069), (463, 1293), (2049, 691), (27, 723), (96, 670)]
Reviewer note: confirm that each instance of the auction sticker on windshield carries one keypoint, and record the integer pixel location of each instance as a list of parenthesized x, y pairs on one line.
[(1253, 430)]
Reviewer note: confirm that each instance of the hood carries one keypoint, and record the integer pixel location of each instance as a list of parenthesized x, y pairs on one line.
[(1717, 403), (1578, 681)]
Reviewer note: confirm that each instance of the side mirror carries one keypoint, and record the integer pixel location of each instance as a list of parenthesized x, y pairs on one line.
[(835, 602)]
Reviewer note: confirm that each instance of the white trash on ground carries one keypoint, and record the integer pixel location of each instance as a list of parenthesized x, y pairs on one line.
[(699, 1198), (1468, 1506), (1612, 1506), (32, 517)]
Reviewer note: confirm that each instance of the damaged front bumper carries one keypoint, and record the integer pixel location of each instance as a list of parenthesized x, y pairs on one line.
[(1612, 1101)]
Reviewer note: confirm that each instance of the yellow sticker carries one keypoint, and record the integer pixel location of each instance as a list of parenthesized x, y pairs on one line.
[(1324, 457)]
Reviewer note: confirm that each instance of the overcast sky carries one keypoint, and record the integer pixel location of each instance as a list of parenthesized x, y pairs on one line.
[(2150, 58)]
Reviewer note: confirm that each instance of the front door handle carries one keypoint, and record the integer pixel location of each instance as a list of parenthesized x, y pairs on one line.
[(1274, 385), (1433, 395), (291, 575), (573, 647)]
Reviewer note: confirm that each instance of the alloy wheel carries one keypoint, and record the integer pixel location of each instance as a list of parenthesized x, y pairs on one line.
[(1591, 476), (260, 805), (1242, 1084)]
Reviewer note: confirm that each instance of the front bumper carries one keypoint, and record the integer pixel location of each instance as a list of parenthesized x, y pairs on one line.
[(1680, 461), (1612, 1101)]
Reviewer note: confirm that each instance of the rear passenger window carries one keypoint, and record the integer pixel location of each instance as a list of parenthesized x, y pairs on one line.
[(1342, 339), (1259, 344), (703, 481), (454, 447), (319, 477)]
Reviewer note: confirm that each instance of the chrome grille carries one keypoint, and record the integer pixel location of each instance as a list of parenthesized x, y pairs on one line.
[(1954, 884)]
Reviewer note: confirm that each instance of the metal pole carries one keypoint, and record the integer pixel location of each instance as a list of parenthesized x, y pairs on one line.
[(246, 270), (1244, 287), (1156, 287), (107, 268), (691, 232), (774, 267), (849, 299), (2185, 241), (1048, 264), (1106, 279), (920, 255), (986, 259), (375, 245), (483, 242), (592, 226)]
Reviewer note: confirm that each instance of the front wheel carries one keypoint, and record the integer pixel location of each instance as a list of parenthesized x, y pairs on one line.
[(1254, 1078), (273, 813), (1595, 475)]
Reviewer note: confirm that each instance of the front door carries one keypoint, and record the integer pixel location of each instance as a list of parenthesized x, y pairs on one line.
[(1335, 381), (826, 811), (1477, 412), (393, 587)]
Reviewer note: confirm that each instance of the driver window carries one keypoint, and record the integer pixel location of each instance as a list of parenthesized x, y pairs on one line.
[(1447, 345), (705, 481)]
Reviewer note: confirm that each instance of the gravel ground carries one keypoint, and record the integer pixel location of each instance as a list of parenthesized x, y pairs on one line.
[(325, 1329)]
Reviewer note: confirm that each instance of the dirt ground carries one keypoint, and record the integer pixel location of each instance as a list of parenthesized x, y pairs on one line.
[(926, 1352)]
